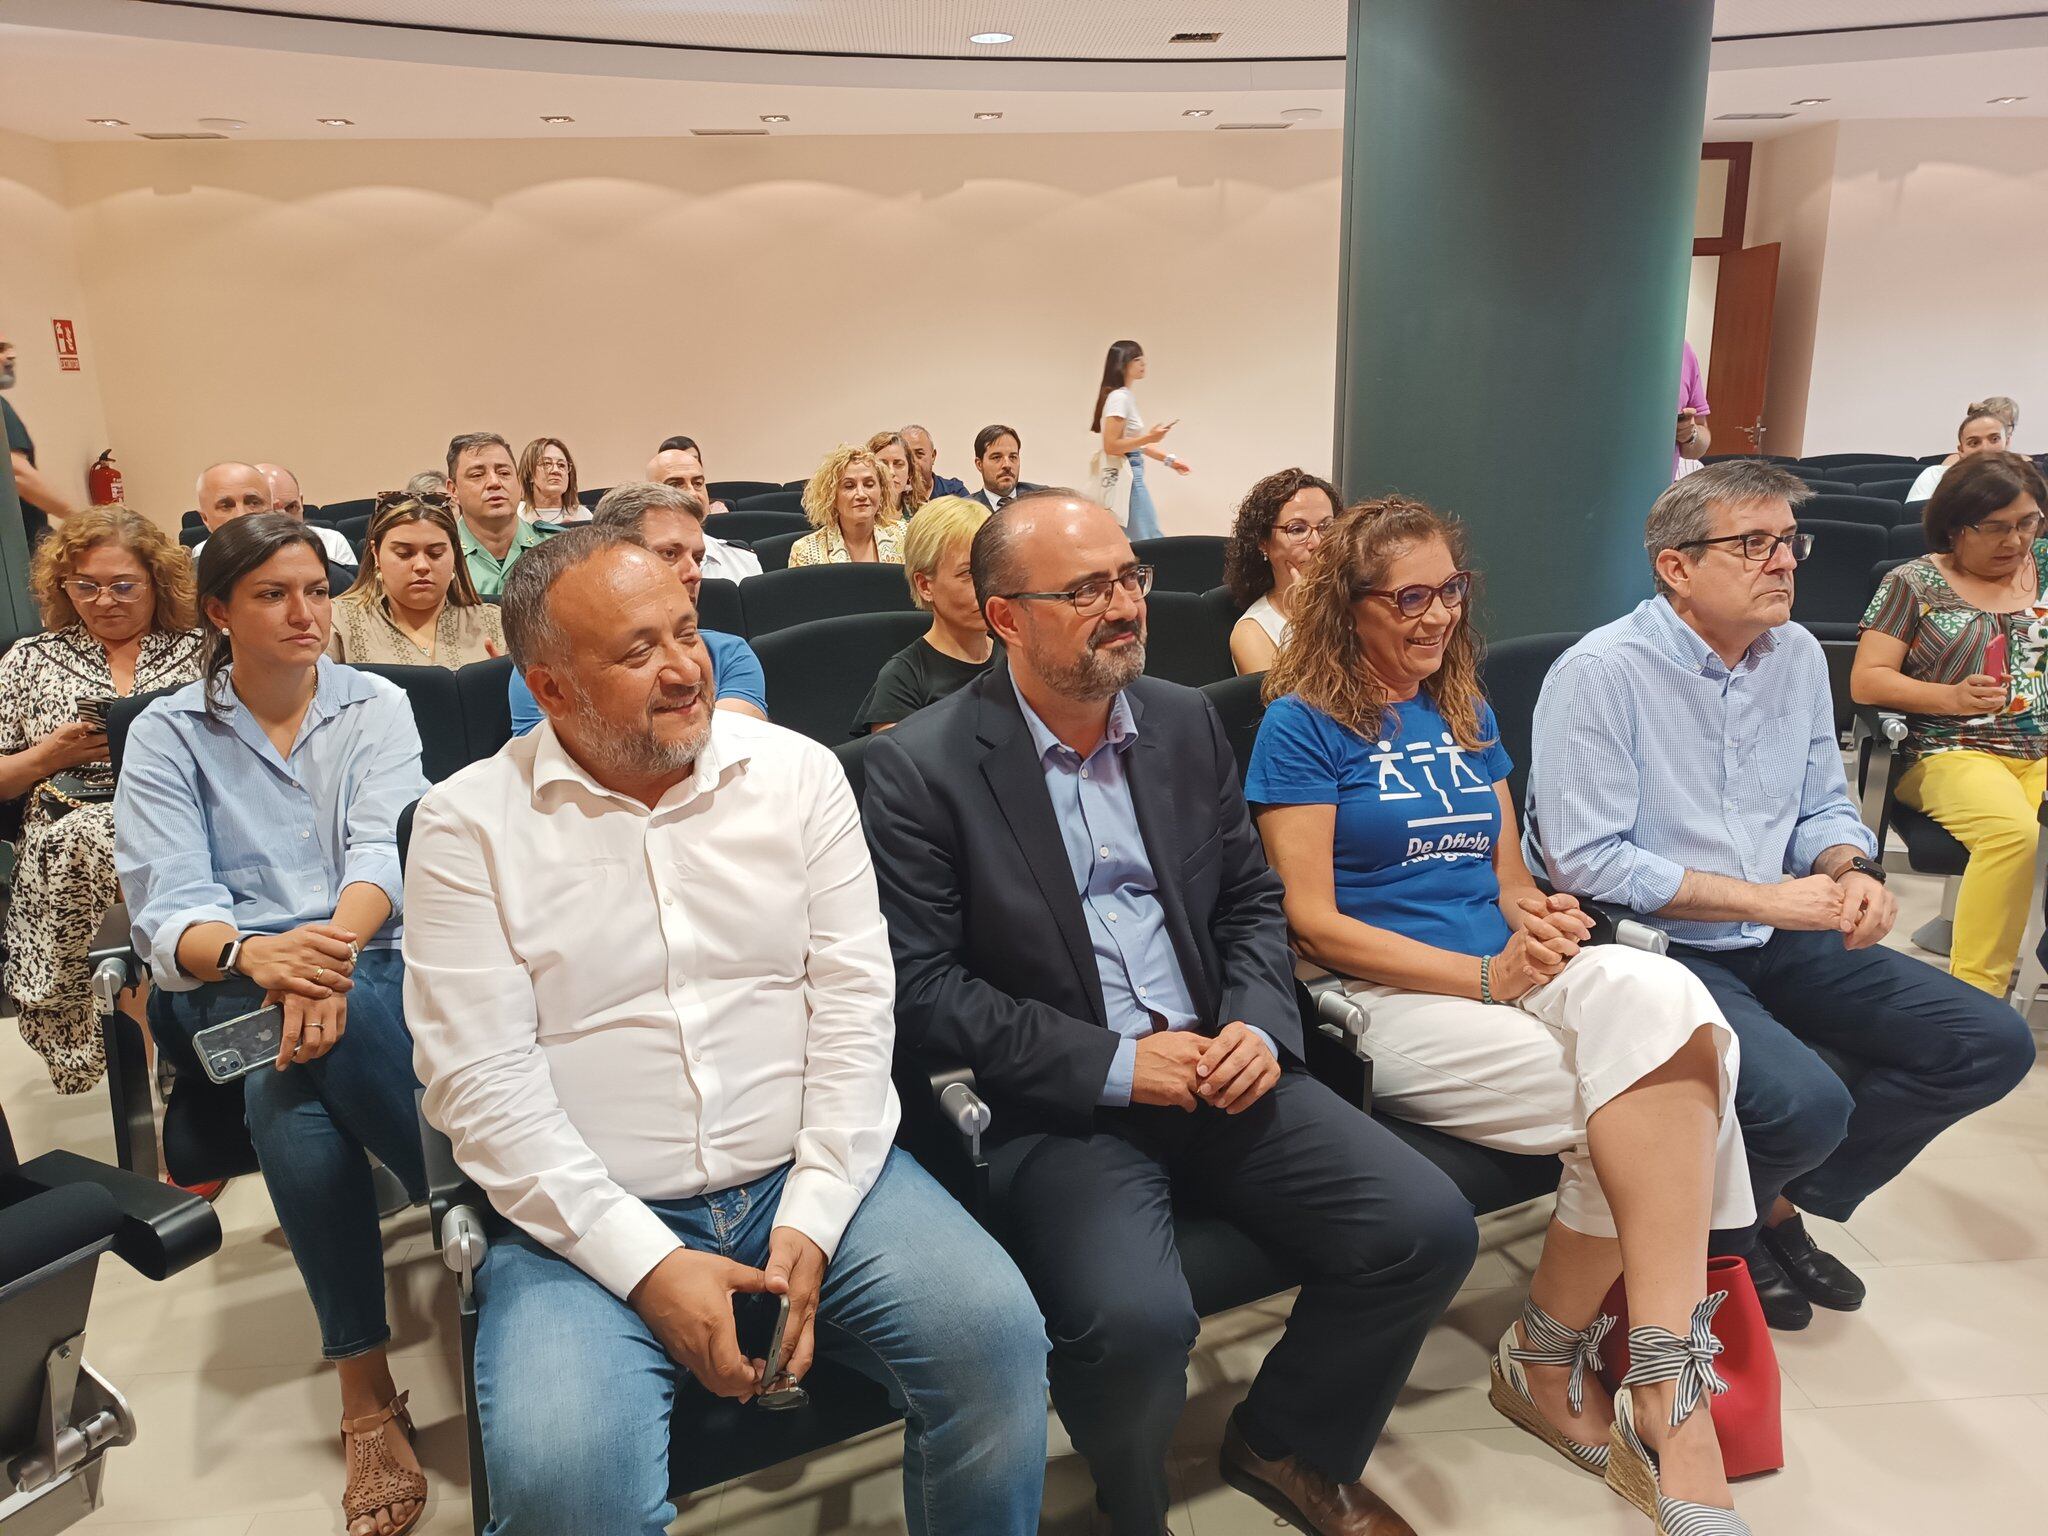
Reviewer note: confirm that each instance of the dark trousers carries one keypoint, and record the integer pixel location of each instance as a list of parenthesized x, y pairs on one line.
[(1923, 1048), (1381, 1238)]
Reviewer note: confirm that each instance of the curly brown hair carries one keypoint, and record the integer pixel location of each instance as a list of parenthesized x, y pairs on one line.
[(1323, 661), (170, 568), (1246, 570), (821, 495)]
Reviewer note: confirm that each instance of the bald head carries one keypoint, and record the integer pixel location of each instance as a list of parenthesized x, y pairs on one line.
[(1030, 545), (285, 495), (228, 491), (681, 470)]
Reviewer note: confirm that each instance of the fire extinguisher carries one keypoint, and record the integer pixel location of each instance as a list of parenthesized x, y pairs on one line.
[(103, 481)]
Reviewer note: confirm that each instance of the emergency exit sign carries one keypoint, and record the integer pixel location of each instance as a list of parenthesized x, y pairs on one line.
[(67, 345)]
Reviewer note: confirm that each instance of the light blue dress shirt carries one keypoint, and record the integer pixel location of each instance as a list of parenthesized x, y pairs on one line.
[(1651, 757), (212, 826), (1143, 987)]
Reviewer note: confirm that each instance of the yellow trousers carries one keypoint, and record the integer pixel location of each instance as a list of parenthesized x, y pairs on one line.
[(1988, 803)]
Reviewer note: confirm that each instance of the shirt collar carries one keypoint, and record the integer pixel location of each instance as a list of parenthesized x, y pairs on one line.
[(1122, 731), (524, 536), (553, 765), (1680, 642), (334, 687)]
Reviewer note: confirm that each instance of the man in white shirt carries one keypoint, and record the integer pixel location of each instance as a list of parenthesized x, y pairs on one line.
[(231, 490), (651, 998), (683, 469)]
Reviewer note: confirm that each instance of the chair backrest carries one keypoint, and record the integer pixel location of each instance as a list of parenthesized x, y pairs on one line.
[(853, 757), (1828, 460), (719, 607), (191, 519), (1866, 474), (1240, 707), (591, 495), (1841, 657), (1821, 482), (1511, 672), (778, 599), (730, 491), (484, 687), (1833, 586), (437, 710), (1851, 509), (1905, 540), (749, 524), (1184, 562), (361, 507), (121, 715), (790, 502), (1890, 490), (1187, 638), (192, 534), (817, 673), (773, 551), (355, 530)]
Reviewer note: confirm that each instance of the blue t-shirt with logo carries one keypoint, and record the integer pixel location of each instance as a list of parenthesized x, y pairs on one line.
[(1417, 816)]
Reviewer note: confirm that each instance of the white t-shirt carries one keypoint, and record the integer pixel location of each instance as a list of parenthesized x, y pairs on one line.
[(1927, 480), (1122, 402)]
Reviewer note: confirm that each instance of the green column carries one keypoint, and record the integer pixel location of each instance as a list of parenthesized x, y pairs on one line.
[(18, 615), (1519, 184)]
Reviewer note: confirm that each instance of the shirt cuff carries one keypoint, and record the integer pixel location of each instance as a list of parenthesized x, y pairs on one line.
[(1816, 838), (622, 1246), (1652, 885), (376, 865), (162, 950), (819, 1204), (1265, 1040), (1123, 1070)]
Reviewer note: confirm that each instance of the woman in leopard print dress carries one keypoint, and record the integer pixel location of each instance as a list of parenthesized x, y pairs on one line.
[(118, 606)]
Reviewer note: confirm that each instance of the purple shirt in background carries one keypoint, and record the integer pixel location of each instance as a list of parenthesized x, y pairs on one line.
[(1692, 391)]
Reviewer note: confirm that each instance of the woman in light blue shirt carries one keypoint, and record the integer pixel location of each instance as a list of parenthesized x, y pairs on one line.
[(256, 840)]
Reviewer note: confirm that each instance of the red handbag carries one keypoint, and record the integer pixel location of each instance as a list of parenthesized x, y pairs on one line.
[(1746, 1415)]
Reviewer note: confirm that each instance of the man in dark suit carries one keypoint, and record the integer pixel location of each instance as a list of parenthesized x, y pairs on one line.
[(1080, 912), (999, 460)]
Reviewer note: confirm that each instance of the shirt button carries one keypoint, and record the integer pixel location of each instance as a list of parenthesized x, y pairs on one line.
[(1103, 850), (1084, 773), (1112, 917), (1144, 992), (304, 833)]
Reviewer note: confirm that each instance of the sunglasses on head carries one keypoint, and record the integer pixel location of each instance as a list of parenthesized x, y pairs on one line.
[(1413, 601)]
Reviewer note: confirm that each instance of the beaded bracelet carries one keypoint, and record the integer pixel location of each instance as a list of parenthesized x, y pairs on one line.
[(1486, 978)]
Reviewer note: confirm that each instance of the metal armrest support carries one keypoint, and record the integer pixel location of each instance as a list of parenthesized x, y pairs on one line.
[(456, 1206), (1333, 1035), (1615, 924), (1875, 739)]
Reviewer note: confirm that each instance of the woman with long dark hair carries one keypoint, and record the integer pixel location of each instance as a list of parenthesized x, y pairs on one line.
[(413, 604), (1126, 438), (1277, 531), (255, 835)]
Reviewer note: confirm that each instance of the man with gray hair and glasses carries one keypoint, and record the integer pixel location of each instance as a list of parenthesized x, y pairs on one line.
[(1685, 766)]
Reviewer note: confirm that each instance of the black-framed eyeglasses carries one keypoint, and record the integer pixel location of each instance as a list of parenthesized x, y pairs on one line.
[(1413, 600), (1092, 597), (1758, 547)]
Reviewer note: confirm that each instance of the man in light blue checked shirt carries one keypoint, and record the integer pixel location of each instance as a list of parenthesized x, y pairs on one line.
[(1685, 766)]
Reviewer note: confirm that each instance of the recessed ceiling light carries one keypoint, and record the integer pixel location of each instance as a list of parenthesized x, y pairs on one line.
[(988, 117), (557, 118), (992, 39), (774, 117), (1302, 114), (1813, 101), (1198, 111), (1752, 117), (2004, 101), (223, 124), (107, 122), (337, 122)]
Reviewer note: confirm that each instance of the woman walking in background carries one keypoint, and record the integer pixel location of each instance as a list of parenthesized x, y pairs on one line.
[(1125, 436)]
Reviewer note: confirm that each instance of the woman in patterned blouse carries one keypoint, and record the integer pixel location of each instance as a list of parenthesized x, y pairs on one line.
[(1957, 640), (413, 603), (852, 503)]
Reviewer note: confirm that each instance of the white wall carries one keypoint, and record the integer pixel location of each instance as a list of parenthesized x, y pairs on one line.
[(1791, 183), (346, 308), (1934, 284), (39, 283)]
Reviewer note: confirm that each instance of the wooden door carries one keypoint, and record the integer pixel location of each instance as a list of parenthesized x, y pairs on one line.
[(1740, 361)]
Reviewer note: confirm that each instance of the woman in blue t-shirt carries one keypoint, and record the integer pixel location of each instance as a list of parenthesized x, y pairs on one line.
[(1379, 785)]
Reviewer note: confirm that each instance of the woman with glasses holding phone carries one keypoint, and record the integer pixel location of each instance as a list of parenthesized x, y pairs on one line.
[(256, 839), (1279, 527), (119, 618), (1956, 641), (413, 603), (1380, 788)]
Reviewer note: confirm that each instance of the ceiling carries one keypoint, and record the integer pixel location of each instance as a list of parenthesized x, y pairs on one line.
[(161, 65)]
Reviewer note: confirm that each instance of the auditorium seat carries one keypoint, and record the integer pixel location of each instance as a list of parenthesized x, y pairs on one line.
[(1187, 638), (190, 535), (818, 673), (1866, 474), (773, 551), (355, 530), (1851, 509), (749, 524), (361, 506), (731, 491), (791, 502), (1890, 490), (1833, 584), (1511, 674), (719, 608), (853, 758), (779, 598), (1183, 562), (1819, 482), (1829, 460), (1239, 707), (437, 708), (1905, 540), (591, 495), (484, 689), (190, 520)]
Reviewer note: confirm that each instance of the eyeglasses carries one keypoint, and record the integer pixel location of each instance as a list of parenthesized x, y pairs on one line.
[(1299, 530), (1413, 601), (84, 591), (1759, 548), (1092, 597), (2026, 528)]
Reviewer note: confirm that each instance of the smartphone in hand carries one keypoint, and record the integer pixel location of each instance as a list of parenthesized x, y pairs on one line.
[(778, 1387)]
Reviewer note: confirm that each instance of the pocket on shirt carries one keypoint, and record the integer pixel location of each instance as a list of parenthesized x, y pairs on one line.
[(1777, 755)]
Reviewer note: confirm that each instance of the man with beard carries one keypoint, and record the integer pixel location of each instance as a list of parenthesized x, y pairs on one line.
[(649, 990), (41, 504), (1080, 912), (999, 458)]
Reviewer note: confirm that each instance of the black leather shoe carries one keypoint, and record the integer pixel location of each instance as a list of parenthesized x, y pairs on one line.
[(1824, 1279), (1785, 1305)]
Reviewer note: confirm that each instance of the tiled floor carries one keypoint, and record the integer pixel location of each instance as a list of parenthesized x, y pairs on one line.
[(1926, 1410)]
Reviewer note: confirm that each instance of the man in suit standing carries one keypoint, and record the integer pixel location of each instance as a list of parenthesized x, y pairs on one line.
[(999, 457), (1080, 912)]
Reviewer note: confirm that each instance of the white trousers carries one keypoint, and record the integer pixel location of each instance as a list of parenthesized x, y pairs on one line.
[(1526, 1076)]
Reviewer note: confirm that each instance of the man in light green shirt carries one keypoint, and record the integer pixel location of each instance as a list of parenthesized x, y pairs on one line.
[(486, 489)]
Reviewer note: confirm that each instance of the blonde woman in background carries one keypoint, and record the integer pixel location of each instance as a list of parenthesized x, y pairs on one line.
[(413, 603), (957, 648), (547, 484), (851, 501), (893, 454)]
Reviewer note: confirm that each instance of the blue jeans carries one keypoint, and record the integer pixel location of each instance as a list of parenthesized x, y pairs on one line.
[(313, 1126), (576, 1393), (1144, 518), (1924, 1048)]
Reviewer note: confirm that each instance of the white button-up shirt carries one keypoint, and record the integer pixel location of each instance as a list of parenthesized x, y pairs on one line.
[(611, 1005), (728, 563)]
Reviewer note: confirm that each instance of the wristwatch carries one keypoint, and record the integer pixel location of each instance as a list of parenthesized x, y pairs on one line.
[(230, 952), (1861, 866)]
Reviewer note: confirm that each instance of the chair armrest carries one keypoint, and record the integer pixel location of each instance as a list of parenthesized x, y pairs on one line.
[(1333, 1026), (163, 1229), (1616, 924), (1875, 738), (456, 1207), (944, 1119)]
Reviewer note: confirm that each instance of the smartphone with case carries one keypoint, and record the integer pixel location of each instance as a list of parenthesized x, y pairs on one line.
[(236, 1047), (778, 1387)]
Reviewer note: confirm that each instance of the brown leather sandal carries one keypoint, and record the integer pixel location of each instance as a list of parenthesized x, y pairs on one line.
[(375, 1481)]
